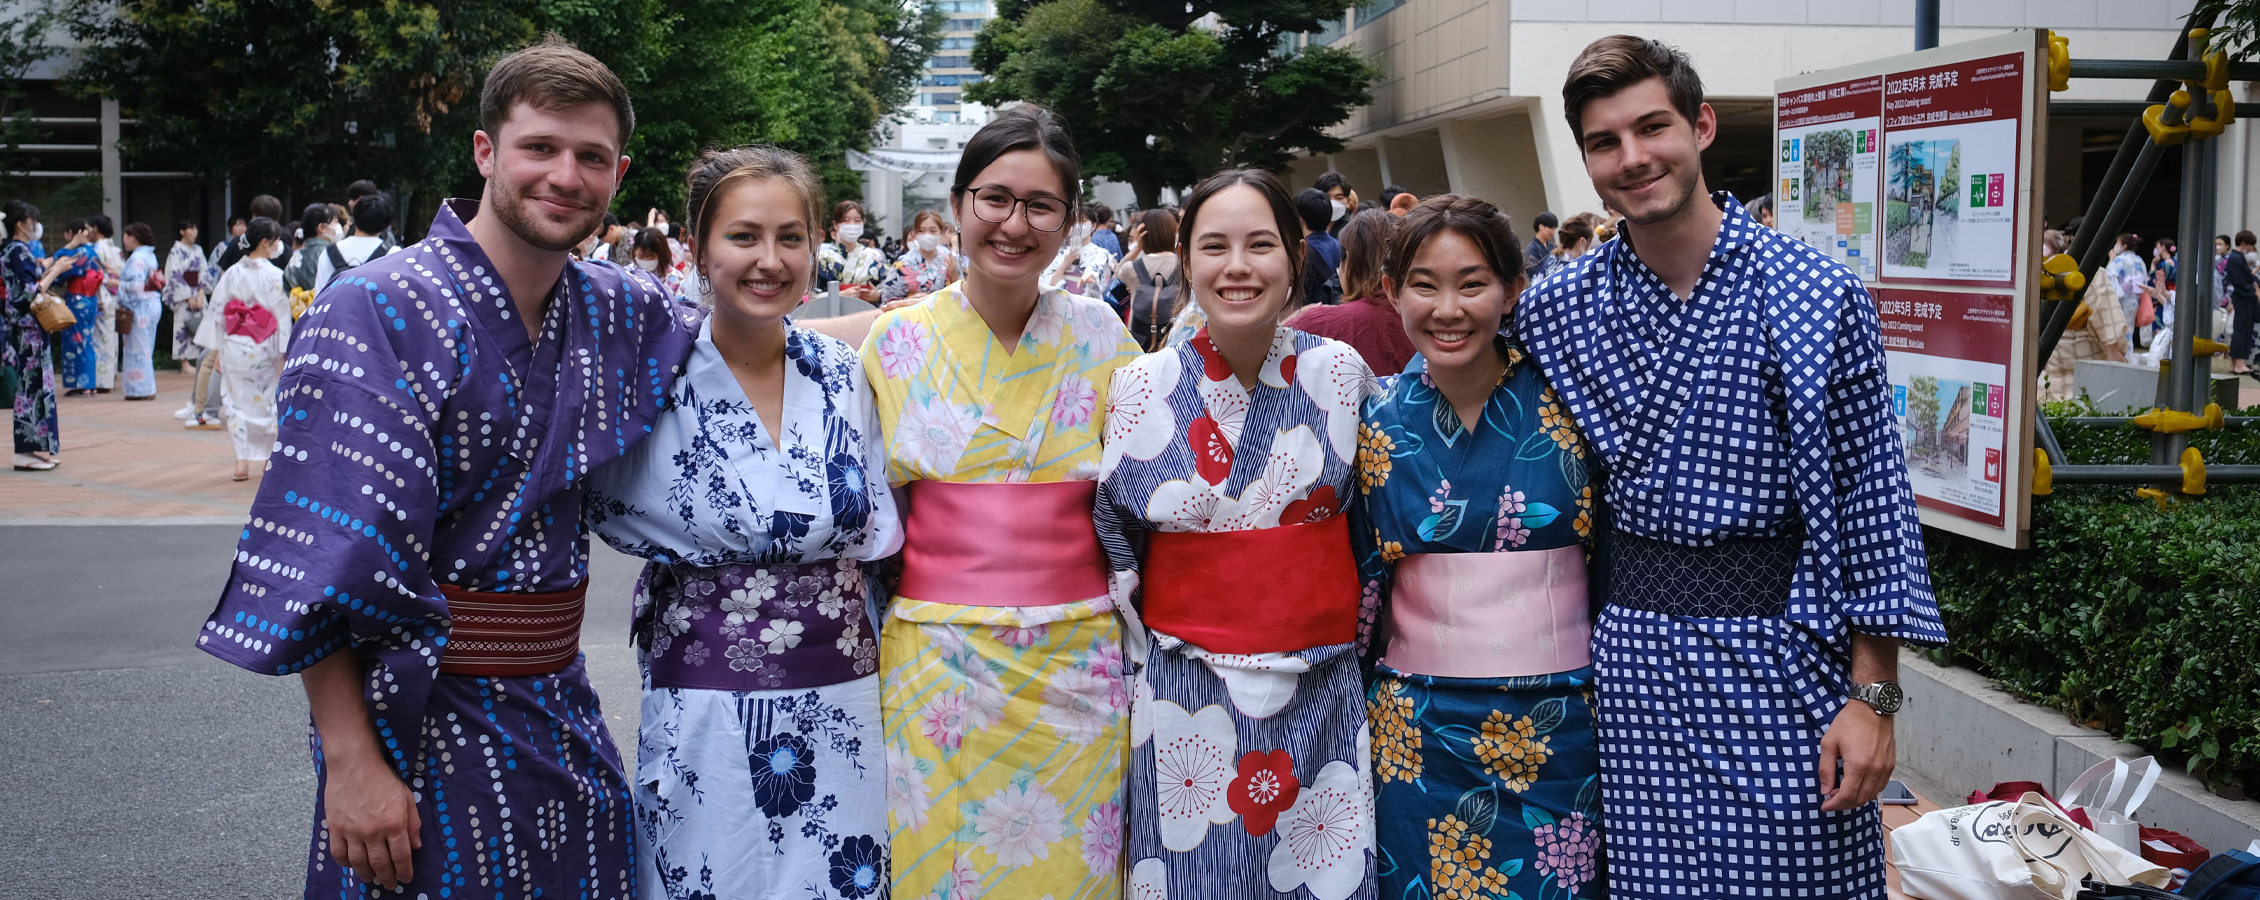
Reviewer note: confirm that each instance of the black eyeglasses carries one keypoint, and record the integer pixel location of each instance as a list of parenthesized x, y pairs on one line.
[(995, 205)]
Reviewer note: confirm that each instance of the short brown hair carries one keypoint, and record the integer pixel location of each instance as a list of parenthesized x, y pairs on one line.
[(1365, 250), (842, 208), (718, 168), (1611, 64), (1477, 220), (925, 214), (1160, 235), (552, 74)]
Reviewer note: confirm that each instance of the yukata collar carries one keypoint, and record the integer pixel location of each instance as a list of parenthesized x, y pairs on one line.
[(1737, 231)]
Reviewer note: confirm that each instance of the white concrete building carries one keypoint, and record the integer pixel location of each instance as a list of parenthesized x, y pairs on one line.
[(1470, 97)]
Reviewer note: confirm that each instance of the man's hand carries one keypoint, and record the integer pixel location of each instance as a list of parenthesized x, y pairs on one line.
[(1859, 738), (372, 820), (1863, 742), (371, 816)]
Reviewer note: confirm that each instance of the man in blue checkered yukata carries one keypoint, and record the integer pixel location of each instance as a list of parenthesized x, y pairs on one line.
[(1762, 561)]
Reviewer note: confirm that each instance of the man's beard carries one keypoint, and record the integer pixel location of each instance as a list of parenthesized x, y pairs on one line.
[(510, 207), (1683, 188)]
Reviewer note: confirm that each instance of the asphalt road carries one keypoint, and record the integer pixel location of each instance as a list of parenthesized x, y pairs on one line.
[(133, 765)]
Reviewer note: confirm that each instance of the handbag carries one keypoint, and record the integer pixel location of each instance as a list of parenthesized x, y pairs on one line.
[(54, 315), (2173, 849), (2025, 849), (124, 319), (2112, 813)]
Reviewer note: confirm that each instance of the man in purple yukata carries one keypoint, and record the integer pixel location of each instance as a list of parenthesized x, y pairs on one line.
[(1763, 560), (415, 552)]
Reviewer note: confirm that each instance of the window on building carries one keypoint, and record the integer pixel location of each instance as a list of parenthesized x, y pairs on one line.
[(1328, 32), (942, 80), (1367, 12), (960, 24), (963, 6), (957, 43), (949, 62)]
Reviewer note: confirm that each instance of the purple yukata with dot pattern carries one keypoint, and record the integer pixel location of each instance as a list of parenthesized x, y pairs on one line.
[(1755, 409), (426, 441)]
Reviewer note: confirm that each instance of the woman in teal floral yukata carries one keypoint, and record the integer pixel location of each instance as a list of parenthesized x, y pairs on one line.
[(1473, 511)]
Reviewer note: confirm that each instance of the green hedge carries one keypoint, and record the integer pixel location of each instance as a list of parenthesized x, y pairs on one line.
[(2142, 622)]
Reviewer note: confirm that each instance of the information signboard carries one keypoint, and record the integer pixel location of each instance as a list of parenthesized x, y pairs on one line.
[(1918, 172)]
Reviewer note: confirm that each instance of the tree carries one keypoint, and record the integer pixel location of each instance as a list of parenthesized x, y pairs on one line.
[(300, 98), (1157, 93)]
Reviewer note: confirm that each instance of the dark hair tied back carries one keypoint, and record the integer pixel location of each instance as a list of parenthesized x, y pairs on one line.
[(1477, 220), (1023, 127)]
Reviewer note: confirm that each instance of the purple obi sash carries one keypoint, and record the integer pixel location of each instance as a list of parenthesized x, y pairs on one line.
[(1490, 615), (755, 628)]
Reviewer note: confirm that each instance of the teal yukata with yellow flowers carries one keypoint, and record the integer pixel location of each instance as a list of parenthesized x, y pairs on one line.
[(1483, 787)]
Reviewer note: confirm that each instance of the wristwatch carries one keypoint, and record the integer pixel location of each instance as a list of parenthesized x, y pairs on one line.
[(1884, 697)]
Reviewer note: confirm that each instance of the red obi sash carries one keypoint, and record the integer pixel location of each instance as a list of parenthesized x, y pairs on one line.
[(1293, 587), (511, 635), (249, 320), (1002, 544)]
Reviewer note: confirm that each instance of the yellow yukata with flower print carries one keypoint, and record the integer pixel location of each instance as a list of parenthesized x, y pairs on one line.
[(1006, 726)]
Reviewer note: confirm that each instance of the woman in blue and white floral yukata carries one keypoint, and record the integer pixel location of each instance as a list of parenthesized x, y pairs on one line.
[(757, 498)]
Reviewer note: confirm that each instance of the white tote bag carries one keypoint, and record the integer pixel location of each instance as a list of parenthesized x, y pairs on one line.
[(2025, 850), (2111, 807)]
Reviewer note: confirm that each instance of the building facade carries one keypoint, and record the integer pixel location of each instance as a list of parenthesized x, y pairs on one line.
[(1470, 97)]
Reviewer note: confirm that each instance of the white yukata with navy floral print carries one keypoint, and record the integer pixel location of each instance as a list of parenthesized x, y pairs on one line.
[(1754, 412), (759, 769), (1249, 773)]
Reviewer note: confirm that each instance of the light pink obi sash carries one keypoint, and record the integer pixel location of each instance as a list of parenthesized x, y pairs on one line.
[(1002, 544), (1490, 615)]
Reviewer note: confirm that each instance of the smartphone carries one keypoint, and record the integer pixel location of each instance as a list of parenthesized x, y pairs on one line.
[(1896, 794)]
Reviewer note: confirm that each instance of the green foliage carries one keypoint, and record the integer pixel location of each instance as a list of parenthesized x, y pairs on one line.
[(2236, 26), (2140, 621), (322, 92), (1158, 97)]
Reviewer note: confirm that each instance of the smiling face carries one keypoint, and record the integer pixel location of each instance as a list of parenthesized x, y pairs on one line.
[(1645, 159), (551, 172), (1452, 302), (1240, 267), (1010, 251), (758, 253)]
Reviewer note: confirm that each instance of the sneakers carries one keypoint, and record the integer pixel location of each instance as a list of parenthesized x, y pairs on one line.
[(26, 462), (185, 413), (202, 423)]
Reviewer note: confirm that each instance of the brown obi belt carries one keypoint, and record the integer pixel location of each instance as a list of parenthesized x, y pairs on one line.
[(512, 635), (1270, 590), (1002, 544)]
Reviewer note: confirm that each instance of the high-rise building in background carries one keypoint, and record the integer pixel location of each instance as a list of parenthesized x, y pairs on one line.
[(951, 67)]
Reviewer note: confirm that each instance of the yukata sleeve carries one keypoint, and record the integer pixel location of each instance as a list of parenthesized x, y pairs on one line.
[(892, 284), (1375, 572), (1885, 574), (334, 554), (1115, 521)]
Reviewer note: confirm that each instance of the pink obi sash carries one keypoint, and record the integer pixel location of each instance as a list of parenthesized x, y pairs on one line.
[(1490, 615), (1270, 590), (1002, 544)]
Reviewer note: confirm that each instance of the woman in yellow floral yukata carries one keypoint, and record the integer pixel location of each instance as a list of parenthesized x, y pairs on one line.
[(1001, 664), (1473, 509)]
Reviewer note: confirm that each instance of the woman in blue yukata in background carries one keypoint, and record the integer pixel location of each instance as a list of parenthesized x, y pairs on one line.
[(758, 771), (1473, 513)]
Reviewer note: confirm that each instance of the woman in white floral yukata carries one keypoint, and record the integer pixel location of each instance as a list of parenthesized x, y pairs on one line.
[(1231, 455), (757, 499)]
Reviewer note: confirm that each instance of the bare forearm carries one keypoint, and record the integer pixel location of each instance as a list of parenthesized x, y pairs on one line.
[(333, 694), (1874, 659)]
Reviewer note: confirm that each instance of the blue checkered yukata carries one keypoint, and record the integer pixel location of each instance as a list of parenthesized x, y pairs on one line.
[(1760, 515), (426, 441)]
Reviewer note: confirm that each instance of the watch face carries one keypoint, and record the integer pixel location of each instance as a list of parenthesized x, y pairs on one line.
[(1887, 697)]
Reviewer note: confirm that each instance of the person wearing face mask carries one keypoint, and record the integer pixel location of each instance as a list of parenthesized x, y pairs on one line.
[(759, 657), (1231, 456), (1472, 519), (654, 260), (249, 331), (320, 226), (925, 267), (28, 351), (846, 259), (1001, 664), (1082, 267), (372, 219), (1341, 199)]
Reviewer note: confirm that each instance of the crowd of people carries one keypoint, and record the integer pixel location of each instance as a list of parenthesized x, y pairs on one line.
[(1279, 543), (118, 294)]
